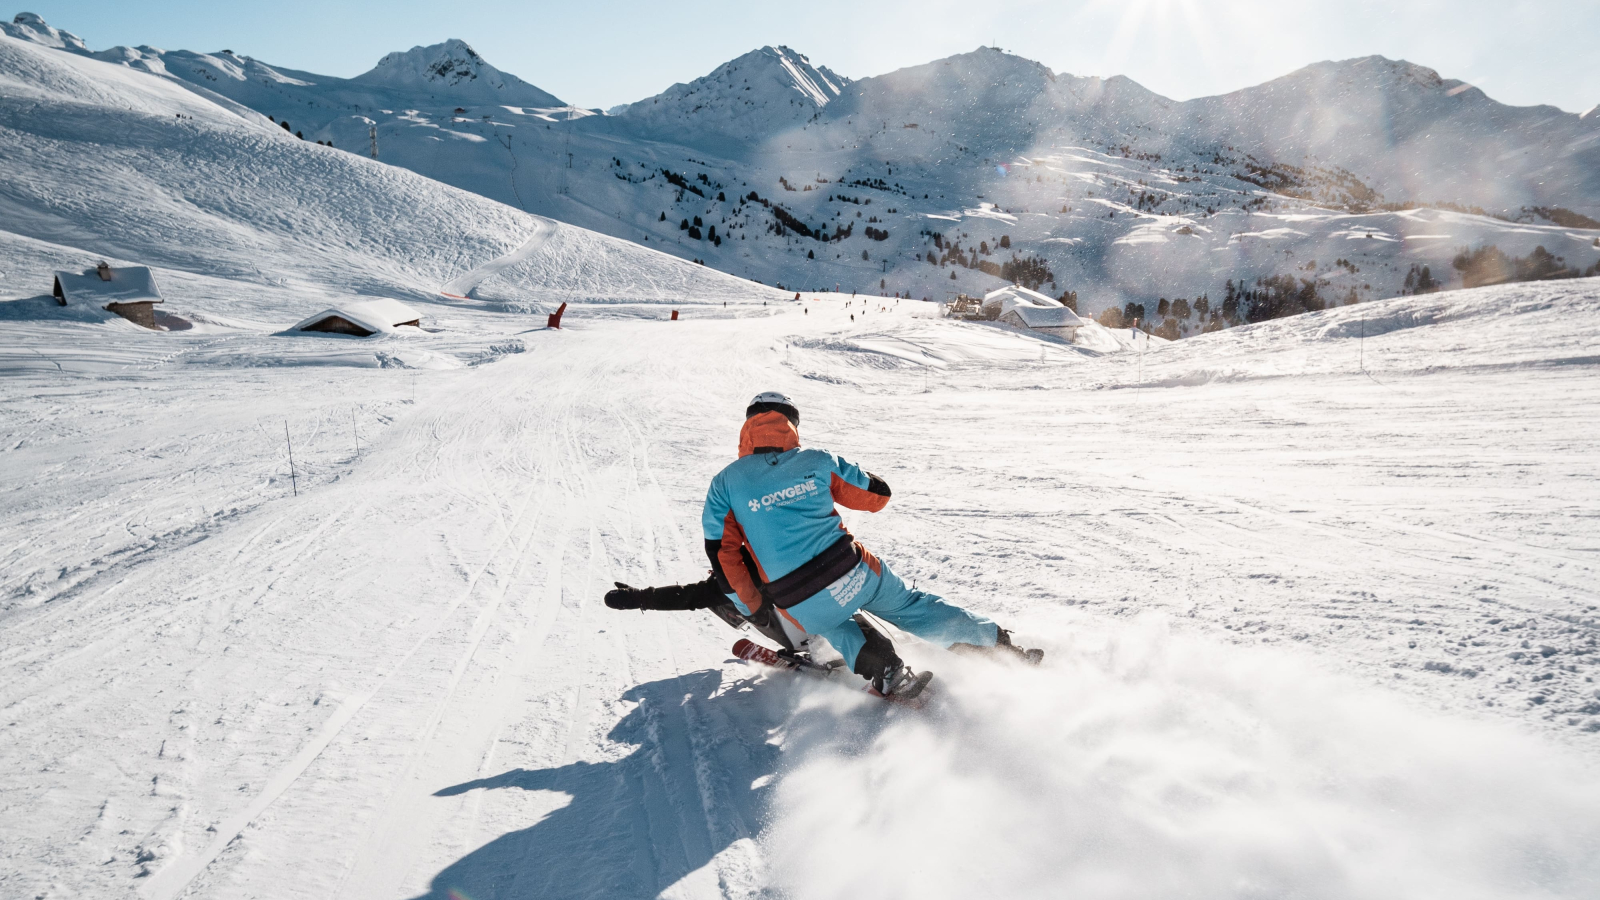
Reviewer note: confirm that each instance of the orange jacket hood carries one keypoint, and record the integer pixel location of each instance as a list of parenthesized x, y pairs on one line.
[(767, 429)]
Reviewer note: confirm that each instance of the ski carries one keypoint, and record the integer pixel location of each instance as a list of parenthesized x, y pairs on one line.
[(750, 651), (913, 694)]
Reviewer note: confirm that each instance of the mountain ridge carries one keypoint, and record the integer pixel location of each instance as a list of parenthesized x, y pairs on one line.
[(962, 174)]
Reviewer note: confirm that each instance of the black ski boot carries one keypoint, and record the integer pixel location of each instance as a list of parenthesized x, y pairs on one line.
[(878, 663), (1030, 656), (900, 683)]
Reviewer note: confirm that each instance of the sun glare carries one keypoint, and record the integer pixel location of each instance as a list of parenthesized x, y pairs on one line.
[(1180, 39)]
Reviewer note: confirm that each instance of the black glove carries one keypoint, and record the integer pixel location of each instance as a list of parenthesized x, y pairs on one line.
[(700, 595), (626, 597)]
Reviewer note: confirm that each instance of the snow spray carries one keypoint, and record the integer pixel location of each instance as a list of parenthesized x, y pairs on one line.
[(1138, 764)]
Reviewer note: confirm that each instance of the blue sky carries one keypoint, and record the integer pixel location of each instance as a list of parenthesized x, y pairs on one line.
[(602, 52)]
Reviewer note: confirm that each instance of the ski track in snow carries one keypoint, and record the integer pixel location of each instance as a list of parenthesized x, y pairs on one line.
[(462, 287)]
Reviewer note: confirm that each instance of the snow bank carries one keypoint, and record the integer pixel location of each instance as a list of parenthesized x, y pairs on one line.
[(932, 343)]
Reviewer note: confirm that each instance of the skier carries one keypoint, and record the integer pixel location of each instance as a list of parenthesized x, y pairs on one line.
[(782, 560)]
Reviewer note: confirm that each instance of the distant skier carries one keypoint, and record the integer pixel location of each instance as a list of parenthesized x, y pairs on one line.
[(782, 559)]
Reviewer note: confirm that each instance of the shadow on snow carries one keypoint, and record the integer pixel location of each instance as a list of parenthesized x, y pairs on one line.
[(636, 825)]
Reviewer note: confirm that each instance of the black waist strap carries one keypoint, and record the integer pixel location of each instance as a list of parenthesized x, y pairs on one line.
[(822, 570)]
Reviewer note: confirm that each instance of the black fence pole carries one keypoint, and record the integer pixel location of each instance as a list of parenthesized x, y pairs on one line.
[(293, 481)]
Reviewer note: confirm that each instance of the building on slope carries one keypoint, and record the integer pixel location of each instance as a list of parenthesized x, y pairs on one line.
[(361, 319), (1018, 307), (1056, 321), (128, 291)]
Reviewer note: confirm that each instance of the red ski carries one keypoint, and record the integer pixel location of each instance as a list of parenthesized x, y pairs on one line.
[(911, 692)]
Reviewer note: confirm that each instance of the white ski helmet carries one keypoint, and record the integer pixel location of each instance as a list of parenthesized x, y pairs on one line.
[(772, 401)]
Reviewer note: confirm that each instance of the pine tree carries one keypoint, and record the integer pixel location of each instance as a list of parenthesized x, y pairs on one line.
[(811, 254), (864, 257), (1005, 242), (684, 225), (663, 216)]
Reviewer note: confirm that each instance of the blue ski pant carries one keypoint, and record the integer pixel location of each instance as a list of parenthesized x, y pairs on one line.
[(872, 586)]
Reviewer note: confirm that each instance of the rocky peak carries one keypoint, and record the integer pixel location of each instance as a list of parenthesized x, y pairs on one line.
[(454, 71)]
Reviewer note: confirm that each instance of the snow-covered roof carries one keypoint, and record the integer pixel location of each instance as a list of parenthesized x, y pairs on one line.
[(128, 284), (1052, 317), (374, 315), (1015, 295)]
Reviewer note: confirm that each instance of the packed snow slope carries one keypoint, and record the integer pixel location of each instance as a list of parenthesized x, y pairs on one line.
[(1324, 176), (1318, 597), (242, 219)]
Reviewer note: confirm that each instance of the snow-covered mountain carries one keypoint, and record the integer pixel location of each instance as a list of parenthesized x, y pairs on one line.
[(32, 27), (1410, 134), (749, 98), (1398, 128), (441, 76), (105, 161), (960, 174), (453, 71), (988, 102)]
